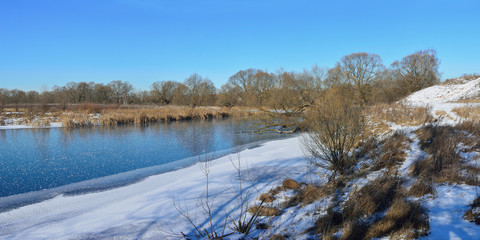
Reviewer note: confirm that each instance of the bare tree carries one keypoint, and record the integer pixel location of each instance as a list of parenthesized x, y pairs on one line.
[(361, 70), (418, 70), (120, 91), (163, 92), (228, 96), (334, 78), (102, 93), (200, 90), (261, 87)]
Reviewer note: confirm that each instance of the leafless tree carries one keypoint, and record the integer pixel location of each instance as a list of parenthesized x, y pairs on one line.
[(228, 96), (201, 90), (361, 70), (418, 70), (163, 92), (120, 91)]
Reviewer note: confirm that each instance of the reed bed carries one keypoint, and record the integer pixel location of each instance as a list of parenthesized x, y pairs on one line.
[(114, 117)]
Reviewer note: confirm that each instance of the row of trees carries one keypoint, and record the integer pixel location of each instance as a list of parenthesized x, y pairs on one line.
[(363, 73)]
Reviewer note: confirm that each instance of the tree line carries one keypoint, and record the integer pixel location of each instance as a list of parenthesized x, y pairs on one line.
[(363, 74)]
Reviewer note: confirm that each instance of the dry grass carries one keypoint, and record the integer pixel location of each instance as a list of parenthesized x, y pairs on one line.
[(404, 219), (266, 197), (460, 80), (399, 114), (277, 237), (380, 115), (276, 190), (393, 151), (444, 164), (420, 188), (290, 184), (112, 115), (329, 223), (309, 194), (473, 214), (468, 112), (264, 211), (375, 196), (353, 230)]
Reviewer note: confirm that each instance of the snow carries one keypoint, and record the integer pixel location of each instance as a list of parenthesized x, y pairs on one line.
[(445, 93), (145, 210), (444, 98), (446, 212)]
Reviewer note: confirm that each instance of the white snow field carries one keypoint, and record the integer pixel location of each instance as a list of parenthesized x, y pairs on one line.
[(445, 97)]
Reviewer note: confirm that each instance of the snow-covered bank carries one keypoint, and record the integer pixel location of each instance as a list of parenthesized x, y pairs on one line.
[(442, 99), (145, 210), (23, 126)]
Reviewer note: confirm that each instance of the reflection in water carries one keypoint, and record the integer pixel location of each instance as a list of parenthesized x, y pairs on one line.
[(35, 159)]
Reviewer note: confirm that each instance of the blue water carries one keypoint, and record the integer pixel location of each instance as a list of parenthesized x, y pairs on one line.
[(38, 159)]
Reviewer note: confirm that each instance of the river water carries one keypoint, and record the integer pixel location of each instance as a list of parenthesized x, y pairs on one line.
[(39, 159)]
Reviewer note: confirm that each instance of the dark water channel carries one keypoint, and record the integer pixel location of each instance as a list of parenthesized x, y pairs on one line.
[(39, 159)]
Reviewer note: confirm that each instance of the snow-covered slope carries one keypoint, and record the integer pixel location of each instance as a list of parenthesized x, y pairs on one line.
[(445, 93)]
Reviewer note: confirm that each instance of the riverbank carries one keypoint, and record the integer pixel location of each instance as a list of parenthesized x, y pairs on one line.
[(90, 115), (146, 210)]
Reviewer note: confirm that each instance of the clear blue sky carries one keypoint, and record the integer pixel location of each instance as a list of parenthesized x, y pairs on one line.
[(52, 42)]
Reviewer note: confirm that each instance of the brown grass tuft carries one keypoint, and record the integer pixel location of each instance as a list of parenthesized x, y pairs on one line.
[(473, 214), (393, 151), (468, 112), (277, 237), (420, 188), (266, 197), (375, 196), (403, 219), (354, 230), (290, 184), (443, 164), (309, 194), (276, 190), (329, 223), (264, 211)]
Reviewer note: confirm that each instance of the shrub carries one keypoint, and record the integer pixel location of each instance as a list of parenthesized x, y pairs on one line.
[(335, 125)]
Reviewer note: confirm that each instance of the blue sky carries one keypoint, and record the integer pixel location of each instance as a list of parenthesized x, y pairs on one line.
[(52, 42)]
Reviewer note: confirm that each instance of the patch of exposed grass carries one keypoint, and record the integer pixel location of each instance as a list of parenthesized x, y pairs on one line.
[(375, 196), (266, 197), (468, 112), (399, 114), (404, 219), (420, 188), (473, 214), (290, 184), (393, 151), (264, 210), (309, 194)]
